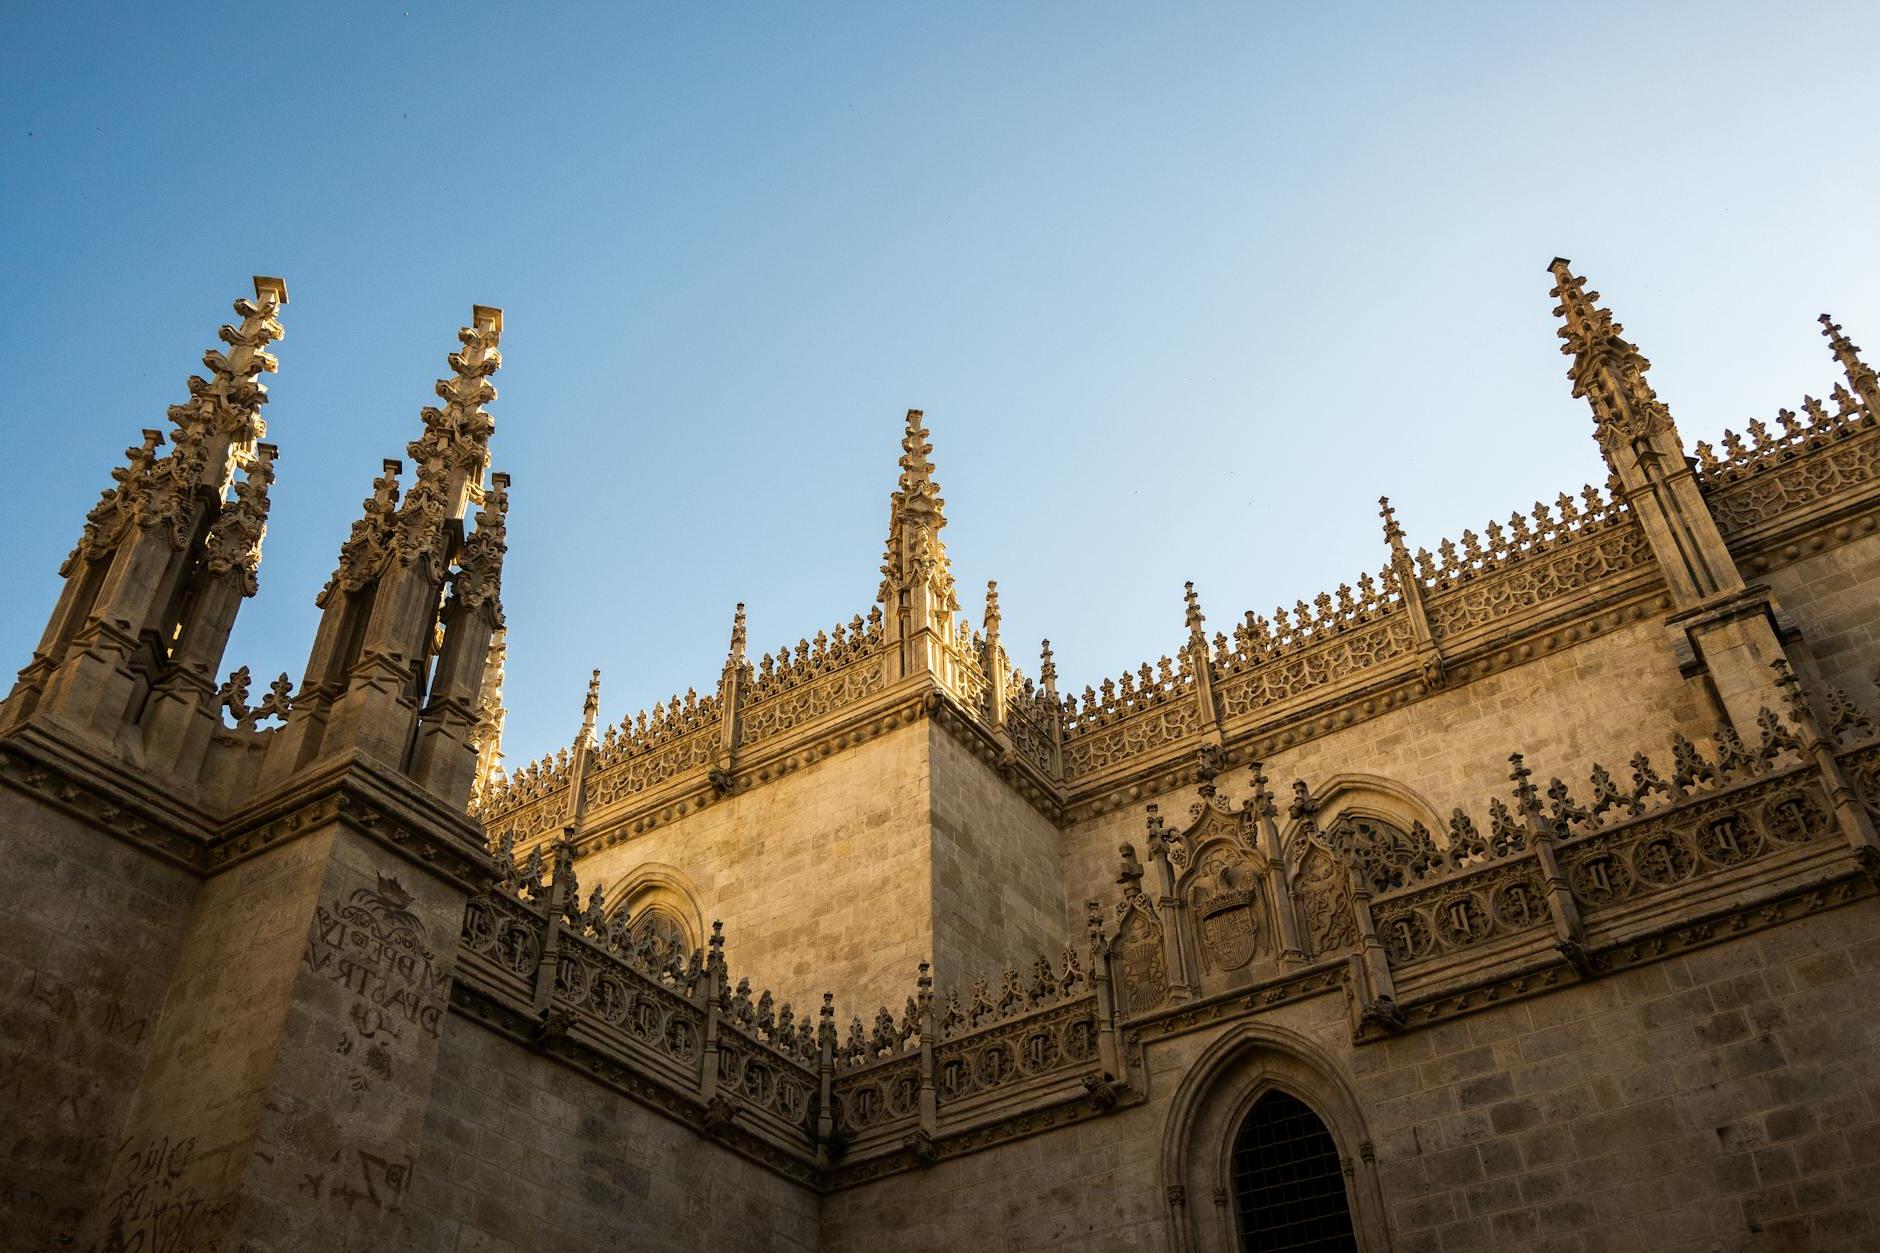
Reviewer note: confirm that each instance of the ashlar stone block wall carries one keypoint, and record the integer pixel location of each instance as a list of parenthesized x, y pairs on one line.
[(820, 876), (88, 937), (998, 876), (1724, 1099), (1831, 595), (845, 875), (523, 1153)]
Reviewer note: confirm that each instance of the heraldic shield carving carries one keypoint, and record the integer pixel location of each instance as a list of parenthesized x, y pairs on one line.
[(1225, 903)]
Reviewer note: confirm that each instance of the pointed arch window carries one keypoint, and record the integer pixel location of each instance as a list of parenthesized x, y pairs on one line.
[(1288, 1181)]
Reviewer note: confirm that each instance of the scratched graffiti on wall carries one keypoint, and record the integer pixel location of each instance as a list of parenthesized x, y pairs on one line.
[(152, 1207), (377, 948)]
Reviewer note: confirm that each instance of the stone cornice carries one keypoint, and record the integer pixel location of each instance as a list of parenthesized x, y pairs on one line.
[(368, 796), (112, 798)]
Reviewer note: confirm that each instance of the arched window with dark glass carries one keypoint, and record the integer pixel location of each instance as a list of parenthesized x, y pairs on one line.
[(1289, 1186)]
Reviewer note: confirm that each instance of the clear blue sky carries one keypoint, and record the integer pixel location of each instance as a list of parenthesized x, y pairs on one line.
[(1182, 289)]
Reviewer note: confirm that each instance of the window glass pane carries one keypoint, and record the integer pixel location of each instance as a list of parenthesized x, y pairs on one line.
[(1289, 1189)]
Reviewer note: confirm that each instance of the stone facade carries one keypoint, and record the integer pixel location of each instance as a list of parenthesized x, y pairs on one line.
[(1535, 873)]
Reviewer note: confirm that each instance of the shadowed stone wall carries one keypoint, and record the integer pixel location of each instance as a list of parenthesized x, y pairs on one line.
[(998, 886), (805, 871), (521, 1152), (1724, 1099), (87, 945)]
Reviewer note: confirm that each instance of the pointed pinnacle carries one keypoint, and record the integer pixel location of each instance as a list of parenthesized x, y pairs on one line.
[(917, 486), (1860, 375), (591, 707), (1193, 616), (1836, 340), (1393, 534), (992, 607), (738, 637), (1047, 668)]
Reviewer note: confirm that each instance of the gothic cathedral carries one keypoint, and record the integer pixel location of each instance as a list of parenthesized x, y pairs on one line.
[(879, 941)]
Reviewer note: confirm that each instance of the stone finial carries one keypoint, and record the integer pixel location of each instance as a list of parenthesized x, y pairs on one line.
[(1304, 807), (1047, 669), (1860, 375), (1608, 372), (993, 618), (738, 637), (1129, 869), (826, 1021), (454, 450), (363, 553), (916, 515), (590, 709), (120, 504), (1262, 803), (1193, 616), (1393, 534), (919, 495), (216, 428)]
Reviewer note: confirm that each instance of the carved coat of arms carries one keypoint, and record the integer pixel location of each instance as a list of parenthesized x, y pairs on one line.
[(1226, 906), (1145, 974)]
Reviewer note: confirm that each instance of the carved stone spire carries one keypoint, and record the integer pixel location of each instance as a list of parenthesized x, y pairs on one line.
[(121, 504), (1641, 445), (448, 756), (1195, 650), (1607, 371), (133, 583), (1393, 534), (916, 515), (216, 428), (1401, 574), (917, 594), (381, 668), (1047, 671), (997, 668), (363, 553), (1724, 627), (919, 495), (453, 452), (1860, 375), (479, 580)]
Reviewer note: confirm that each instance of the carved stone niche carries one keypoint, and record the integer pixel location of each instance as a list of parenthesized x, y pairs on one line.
[(1228, 903), (1142, 964), (1345, 808), (1321, 890)]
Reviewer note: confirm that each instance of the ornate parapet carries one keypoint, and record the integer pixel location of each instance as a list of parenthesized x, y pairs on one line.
[(1553, 887), (822, 680), (1765, 486), (1545, 579), (669, 1026)]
